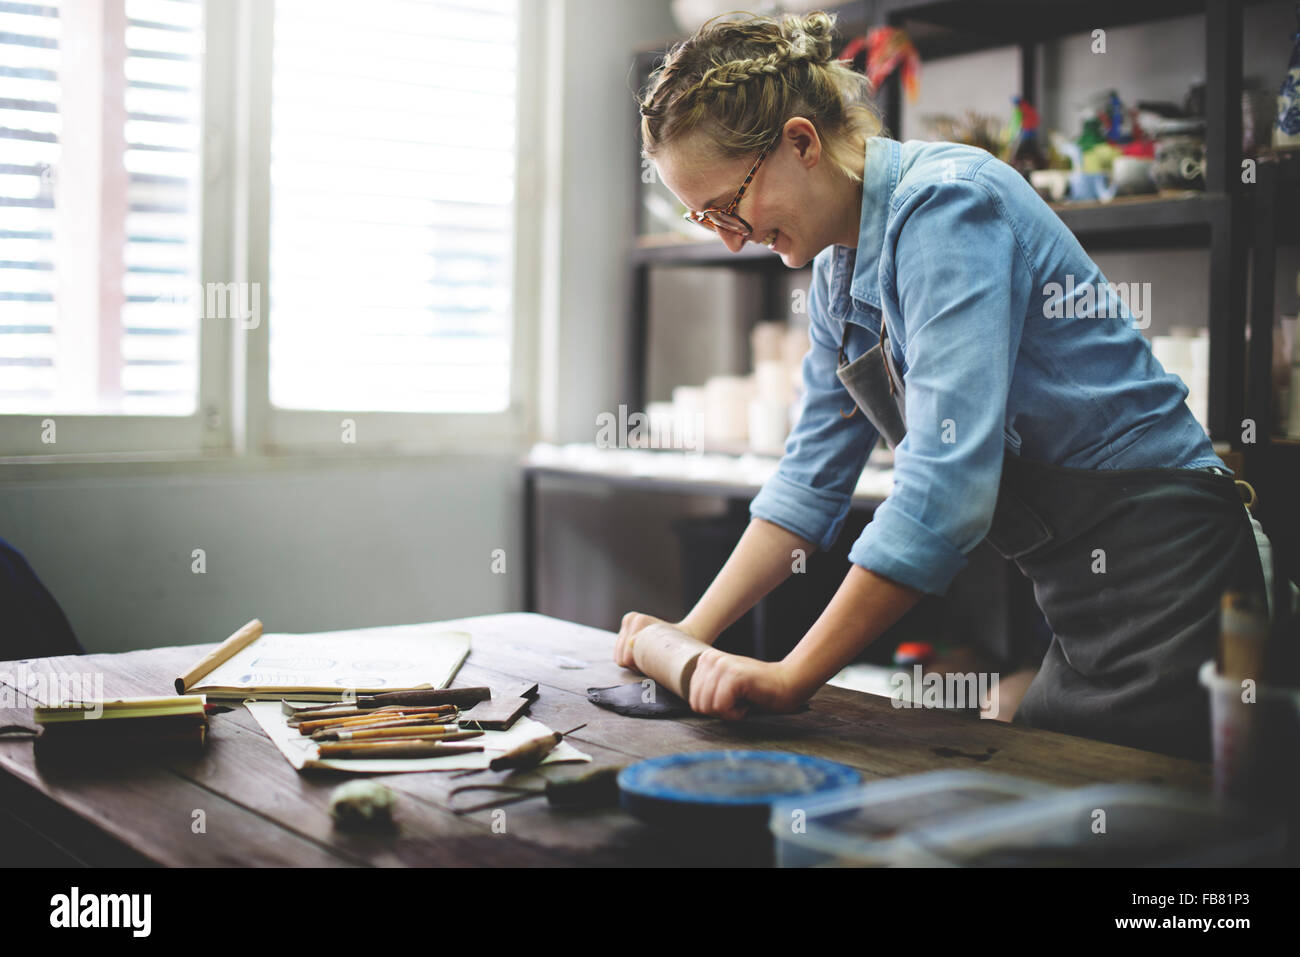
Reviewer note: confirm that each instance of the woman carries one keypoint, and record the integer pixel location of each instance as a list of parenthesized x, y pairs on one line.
[(972, 332)]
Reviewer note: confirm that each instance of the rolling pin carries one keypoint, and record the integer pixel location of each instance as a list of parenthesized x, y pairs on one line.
[(668, 656)]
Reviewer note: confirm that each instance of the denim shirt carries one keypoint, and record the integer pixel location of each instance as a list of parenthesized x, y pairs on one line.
[(1009, 338)]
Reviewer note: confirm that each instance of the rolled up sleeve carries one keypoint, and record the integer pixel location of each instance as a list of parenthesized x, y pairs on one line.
[(812, 488), (961, 287)]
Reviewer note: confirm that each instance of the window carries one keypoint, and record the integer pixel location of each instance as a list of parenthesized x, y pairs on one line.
[(392, 205), (341, 179), (99, 134)]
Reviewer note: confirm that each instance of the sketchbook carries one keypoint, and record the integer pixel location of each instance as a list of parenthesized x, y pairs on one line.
[(327, 665)]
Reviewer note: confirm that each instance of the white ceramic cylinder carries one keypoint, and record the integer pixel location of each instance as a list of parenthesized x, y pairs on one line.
[(768, 420), (726, 409)]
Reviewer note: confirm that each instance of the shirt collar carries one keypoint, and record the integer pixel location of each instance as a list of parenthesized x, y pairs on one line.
[(856, 273)]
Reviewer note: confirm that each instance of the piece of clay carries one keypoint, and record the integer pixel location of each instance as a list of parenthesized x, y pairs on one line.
[(639, 699), (362, 805)]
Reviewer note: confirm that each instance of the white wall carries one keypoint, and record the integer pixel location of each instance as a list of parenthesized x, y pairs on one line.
[(601, 151), (302, 546)]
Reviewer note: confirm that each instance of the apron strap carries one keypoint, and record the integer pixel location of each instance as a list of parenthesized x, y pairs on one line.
[(843, 359), (888, 356)]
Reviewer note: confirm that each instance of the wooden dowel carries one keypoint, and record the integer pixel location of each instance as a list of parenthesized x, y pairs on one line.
[(241, 639)]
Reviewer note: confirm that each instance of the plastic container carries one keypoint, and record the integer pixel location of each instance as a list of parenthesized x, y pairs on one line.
[(1109, 825), (1256, 745), (726, 791), (869, 826)]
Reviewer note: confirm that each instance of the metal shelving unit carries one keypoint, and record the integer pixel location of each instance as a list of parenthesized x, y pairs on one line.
[(1215, 218), (1272, 463), (1222, 218)]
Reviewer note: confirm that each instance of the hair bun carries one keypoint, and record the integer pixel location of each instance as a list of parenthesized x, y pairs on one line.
[(810, 36)]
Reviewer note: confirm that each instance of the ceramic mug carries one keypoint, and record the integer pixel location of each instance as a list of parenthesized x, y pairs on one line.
[(1051, 184)]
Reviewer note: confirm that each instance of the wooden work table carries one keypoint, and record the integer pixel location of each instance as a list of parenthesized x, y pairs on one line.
[(258, 811)]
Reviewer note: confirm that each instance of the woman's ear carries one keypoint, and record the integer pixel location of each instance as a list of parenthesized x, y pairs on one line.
[(800, 132)]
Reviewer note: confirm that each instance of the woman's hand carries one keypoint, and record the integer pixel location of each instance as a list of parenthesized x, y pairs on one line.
[(633, 622), (729, 685)]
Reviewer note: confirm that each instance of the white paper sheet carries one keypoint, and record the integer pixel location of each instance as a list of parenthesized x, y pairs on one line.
[(302, 752), (360, 660)]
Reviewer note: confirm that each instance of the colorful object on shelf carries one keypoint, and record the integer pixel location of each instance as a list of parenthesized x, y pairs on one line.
[(1100, 158), (1118, 126), (1089, 186), (1110, 130), (1092, 134), (913, 653), (1142, 149), (1024, 118), (1286, 131), (1024, 150), (887, 48)]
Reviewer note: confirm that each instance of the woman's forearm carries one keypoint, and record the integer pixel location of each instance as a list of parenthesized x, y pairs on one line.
[(762, 559), (864, 606)]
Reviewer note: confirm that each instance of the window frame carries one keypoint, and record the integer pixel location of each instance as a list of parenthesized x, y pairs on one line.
[(234, 415)]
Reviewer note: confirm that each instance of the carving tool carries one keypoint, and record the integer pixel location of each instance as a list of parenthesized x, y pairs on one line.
[(450, 736), (462, 697), (440, 731), (296, 720), (355, 724), (527, 755), (394, 749), (591, 789), (312, 727)]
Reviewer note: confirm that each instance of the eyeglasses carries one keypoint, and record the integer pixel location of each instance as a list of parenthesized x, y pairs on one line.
[(719, 217)]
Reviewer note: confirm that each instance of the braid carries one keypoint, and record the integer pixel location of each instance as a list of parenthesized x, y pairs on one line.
[(741, 79), (726, 76)]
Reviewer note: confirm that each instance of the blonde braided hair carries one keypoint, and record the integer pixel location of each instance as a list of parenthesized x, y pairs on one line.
[(738, 80)]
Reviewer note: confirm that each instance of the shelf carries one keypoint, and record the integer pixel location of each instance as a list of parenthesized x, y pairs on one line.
[(1163, 220), (1173, 220), (729, 476), (942, 28)]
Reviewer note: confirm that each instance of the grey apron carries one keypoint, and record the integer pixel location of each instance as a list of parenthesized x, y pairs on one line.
[(1128, 566)]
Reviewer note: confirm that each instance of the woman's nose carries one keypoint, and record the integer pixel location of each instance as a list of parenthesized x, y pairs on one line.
[(734, 241)]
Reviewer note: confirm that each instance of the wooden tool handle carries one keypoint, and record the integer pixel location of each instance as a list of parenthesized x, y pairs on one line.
[(529, 754), (395, 749), (668, 656), (457, 696)]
